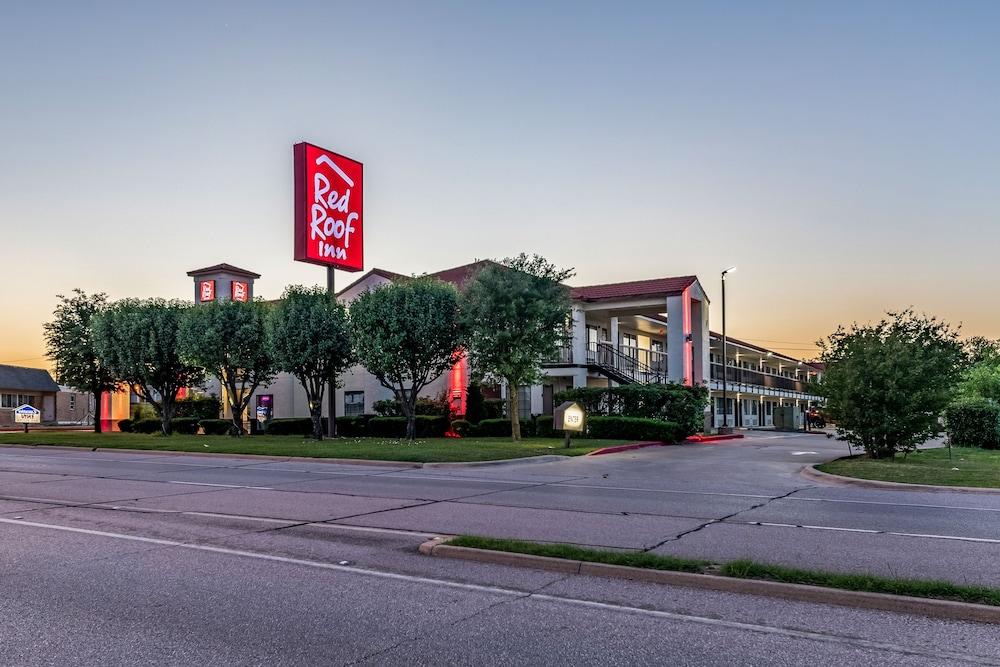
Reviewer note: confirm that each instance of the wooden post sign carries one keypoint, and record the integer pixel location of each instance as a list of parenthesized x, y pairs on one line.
[(568, 418)]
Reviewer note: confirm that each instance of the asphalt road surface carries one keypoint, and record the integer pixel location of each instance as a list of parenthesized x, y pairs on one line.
[(125, 558)]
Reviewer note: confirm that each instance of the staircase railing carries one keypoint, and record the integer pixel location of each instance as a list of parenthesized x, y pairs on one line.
[(624, 367)]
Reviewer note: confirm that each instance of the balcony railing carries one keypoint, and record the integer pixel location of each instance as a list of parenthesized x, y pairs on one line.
[(736, 375), (626, 363)]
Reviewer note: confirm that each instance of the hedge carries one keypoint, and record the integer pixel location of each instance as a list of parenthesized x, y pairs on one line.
[(973, 422), (216, 426), (634, 428), (461, 428), (353, 426), (147, 426), (290, 426), (543, 427), (494, 408), (125, 425), (671, 402), (428, 426), (198, 407), (497, 428), (184, 425), (390, 407)]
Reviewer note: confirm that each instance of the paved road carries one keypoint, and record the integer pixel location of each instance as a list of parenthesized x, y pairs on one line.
[(115, 558)]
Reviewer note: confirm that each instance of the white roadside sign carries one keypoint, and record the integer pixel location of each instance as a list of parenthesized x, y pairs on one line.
[(27, 414)]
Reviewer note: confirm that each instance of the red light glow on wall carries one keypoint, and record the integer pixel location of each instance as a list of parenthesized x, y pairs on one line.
[(688, 340), (329, 208), (458, 383)]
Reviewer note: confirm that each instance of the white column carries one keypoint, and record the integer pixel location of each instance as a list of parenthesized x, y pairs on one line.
[(675, 338), (616, 340), (579, 344)]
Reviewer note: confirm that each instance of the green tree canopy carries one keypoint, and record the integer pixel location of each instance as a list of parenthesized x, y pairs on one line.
[(229, 340), (516, 315), (886, 384), (407, 334), (136, 339), (69, 342), (307, 332)]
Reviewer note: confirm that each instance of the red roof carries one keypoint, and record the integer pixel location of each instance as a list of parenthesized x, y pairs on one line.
[(223, 268), (460, 275), (389, 275), (635, 288)]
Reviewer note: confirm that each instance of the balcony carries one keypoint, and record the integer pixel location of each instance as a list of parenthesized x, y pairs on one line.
[(736, 376)]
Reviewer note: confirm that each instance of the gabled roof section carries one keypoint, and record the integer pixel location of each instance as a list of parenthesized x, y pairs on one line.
[(637, 288), (758, 348), (26, 379), (224, 268), (388, 275), (460, 275)]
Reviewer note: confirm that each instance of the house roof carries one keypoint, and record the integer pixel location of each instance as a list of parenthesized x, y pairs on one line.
[(758, 348), (457, 276), (26, 379), (389, 275), (636, 288), (223, 268)]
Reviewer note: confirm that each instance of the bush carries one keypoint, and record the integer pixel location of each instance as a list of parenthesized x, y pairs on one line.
[(461, 428), (671, 402), (498, 428), (147, 426), (387, 407), (543, 427), (634, 428), (428, 426), (974, 422), (475, 407), (494, 408), (216, 426), (125, 425), (184, 425), (290, 426), (199, 407), (352, 427), (390, 407)]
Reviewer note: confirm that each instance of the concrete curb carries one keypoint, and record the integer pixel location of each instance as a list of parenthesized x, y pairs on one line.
[(614, 449), (545, 458), (945, 609), (811, 472), (697, 439)]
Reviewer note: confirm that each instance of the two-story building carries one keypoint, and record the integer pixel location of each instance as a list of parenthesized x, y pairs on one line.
[(645, 331)]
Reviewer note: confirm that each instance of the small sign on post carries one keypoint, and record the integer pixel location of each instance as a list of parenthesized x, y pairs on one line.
[(568, 418), (263, 413), (27, 414)]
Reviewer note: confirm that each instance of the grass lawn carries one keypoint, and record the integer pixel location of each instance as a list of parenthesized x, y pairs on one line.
[(968, 467), (742, 569), (421, 451)]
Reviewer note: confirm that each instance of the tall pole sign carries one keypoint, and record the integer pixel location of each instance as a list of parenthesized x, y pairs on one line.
[(329, 221)]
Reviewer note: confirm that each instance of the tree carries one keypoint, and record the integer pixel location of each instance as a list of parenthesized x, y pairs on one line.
[(980, 349), (516, 314), (229, 339), (886, 384), (137, 341), (407, 334), (307, 332), (69, 342)]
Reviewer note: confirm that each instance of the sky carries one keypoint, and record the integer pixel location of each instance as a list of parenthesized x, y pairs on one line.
[(845, 156)]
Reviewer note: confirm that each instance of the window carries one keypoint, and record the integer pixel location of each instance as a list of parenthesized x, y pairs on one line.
[(354, 403), (72, 402), (524, 401), (7, 401)]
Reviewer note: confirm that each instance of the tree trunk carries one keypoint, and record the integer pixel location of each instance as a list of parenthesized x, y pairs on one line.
[(166, 414), (236, 407), (316, 413), (408, 405), (98, 428), (515, 418)]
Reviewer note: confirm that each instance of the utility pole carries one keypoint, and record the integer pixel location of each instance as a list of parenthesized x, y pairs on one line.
[(725, 358), (331, 426)]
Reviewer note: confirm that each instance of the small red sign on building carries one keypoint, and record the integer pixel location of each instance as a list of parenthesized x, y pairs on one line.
[(206, 290), (241, 291), (329, 208)]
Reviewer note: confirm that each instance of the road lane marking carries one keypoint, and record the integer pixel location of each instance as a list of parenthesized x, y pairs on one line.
[(519, 594), (957, 538), (225, 486), (883, 502)]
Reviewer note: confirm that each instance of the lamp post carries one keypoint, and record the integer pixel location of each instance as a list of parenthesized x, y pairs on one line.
[(725, 359)]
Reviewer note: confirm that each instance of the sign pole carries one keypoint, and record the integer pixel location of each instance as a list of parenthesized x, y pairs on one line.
[(331, 427)]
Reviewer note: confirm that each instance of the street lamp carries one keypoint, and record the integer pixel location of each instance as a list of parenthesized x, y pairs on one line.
[(725, 359)]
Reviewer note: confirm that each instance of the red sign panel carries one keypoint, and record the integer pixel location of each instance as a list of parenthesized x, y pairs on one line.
[(206, 290), (329, 214), (240, 291)]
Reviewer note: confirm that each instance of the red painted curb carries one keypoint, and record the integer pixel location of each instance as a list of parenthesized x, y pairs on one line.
[(714, 438), (624, 448)]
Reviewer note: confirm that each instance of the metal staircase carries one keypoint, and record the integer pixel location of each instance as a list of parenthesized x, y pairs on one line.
[(623, 368)]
